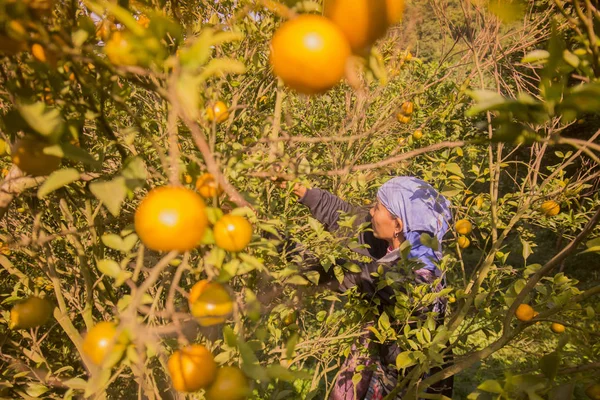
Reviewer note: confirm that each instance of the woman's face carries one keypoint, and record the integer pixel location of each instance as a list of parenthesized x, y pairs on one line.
[(383, 222)]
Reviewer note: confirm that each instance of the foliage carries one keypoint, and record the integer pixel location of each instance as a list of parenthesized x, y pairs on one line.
[(507, 111)]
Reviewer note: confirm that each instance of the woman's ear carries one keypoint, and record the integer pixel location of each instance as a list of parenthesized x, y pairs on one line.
[(399, 225)]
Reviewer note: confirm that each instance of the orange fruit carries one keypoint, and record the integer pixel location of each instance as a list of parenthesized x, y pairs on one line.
[(143, 21), (550, 208), (197, 290), (229, 384), (524, 312), (403, 119), (120, 50), (218, 112), (213, 306), (363, 21), (102, 340), (309, 54), (192, 368), (208, 186), (557, 328), (407, 108), (171, 218), (418, 134), (28, 155), (232, 233), (463, 227), (30, 313), (463, 242), (38, 52), (593, 391)]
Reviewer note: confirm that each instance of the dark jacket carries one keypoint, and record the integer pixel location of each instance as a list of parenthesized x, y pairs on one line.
[(326, 207)]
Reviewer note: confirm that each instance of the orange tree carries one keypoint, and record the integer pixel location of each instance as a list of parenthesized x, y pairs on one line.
[(124, 95)]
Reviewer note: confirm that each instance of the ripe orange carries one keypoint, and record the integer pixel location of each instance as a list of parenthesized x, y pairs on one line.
[(30, 313), (593, 391), (363, 21), (197, 290), (403, 119), (550, 208), (212, 305), (407, 108), (208, 186), (38, 52), (232, 233), (524, 312), (143, 21), (192, 368), (418, 134), (309, 54), (28, 155), (463, 227), (229, 384), (218, 112), (463, 242), (171, 218), (102, 340), (119, 50), (557, 328)]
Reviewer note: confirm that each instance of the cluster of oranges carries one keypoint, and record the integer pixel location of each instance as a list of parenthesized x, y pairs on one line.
[(193, 368), (463, 228), (171, 218), (405, 114), (525, 313), (174, 218), (310, 52)]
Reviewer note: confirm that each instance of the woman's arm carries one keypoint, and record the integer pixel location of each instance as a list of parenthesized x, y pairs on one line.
[(325, 207)]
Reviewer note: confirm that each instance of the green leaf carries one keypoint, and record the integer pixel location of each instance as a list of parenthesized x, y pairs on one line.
[(571, 58), (222, 67), (491, 386), (109, 268), (117, 243), (36, 390), (110, 193), (135, 173), (56, 180), (187, 91), (251, 261), (74, 153), (536, 56), (296, 280), (485, 100), (291, 345), (215, 257), (122, 277), (405, 360), (46, 121), (455, 169), (549, 365)]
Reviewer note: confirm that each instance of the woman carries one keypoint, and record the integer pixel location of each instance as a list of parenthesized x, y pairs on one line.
[(406, 208)]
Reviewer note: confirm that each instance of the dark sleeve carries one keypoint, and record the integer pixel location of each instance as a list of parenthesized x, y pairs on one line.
[(326, 207)]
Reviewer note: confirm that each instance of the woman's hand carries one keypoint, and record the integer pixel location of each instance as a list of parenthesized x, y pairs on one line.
[(299, 190)]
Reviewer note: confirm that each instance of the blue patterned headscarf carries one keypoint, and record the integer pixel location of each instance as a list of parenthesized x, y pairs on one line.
[(421, 209)]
